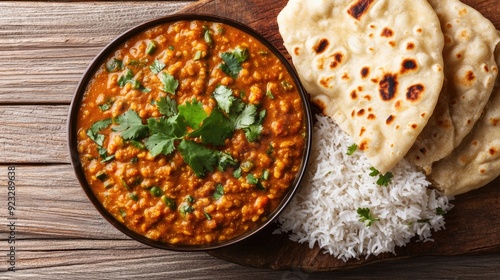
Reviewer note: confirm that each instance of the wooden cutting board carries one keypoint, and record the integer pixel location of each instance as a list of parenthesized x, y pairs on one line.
[(472, 226)]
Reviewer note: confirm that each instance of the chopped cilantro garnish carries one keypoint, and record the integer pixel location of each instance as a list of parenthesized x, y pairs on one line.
[(126, 77), (232, 62), (440, 211), (383, 180), (269, 93), (152, 45), (251, 179), (103, 153), (215, 129), (219, 191), (162, 137), (237, 173), (207, 36), (366, 217), (200, 158), (209, 218), (169, 202), (265, 174), (156, 191), (133, 196), (93, 131), (170, 84), (252, 132), (157, 66), (130, 126), (105, 106), (193, 113), (167, 106), (225, 161), (224, 97), (185, 209), (351, 149), (197, 55), (247, 117), (114, 65)]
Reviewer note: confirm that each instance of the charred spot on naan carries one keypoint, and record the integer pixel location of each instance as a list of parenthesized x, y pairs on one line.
[(365, 71), (321, 46), (387, 32), (415, 92), (358, 9), (336, 59), (390, 119), (408, 65), (388, 86)]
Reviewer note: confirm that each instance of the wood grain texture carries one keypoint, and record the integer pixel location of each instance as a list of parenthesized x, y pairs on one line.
[(45, 47)]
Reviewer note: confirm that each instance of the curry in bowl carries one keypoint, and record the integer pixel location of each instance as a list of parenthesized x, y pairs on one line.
[(190, 132)]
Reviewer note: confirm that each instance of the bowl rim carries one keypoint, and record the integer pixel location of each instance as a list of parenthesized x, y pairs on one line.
[(99, 59)]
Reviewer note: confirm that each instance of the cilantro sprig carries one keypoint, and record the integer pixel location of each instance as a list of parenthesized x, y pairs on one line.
[(383, 179), (232, 61), (366, 217)]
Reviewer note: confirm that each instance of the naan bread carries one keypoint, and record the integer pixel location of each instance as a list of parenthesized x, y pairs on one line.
[(476, 161), (470, 72), (376, 67)]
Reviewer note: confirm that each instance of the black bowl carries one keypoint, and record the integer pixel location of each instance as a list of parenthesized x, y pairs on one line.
[(100, 59)]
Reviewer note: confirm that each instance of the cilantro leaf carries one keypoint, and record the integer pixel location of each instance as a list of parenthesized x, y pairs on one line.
[(169, 202), (224, 97), (164, 132), (167, 106), (219, 191), (240, 54), (374, 172), (225, 160), (103, 153), (253, 132), (130, 126), (157, 66), (232, 62), (385, 180), (93, 131), (198, 157), (366, 217), (440, 211), (114, 65), (207, 36), (247, 117), (125, 77), (193, 113), (351, 149), (170, 84), (160, 144), (251, 179), (215, 129)]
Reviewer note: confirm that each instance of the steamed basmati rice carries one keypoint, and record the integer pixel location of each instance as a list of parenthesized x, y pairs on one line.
[(324, 211)]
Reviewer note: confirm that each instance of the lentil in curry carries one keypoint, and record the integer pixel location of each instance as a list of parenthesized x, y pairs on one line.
[(191, 133)]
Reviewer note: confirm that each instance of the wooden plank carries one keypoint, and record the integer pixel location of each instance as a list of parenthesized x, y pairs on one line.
[(46, 47), (33, 134)]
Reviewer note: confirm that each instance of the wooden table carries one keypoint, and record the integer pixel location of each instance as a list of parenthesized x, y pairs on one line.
[(44, 49)]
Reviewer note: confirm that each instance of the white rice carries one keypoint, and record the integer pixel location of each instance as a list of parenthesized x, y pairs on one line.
[(324, 211)]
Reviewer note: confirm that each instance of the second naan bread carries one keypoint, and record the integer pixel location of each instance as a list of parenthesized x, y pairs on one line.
[(470, 71), (476, 161), (376, 67)]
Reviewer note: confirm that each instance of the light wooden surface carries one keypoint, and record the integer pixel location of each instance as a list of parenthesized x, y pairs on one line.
[(44, 49)]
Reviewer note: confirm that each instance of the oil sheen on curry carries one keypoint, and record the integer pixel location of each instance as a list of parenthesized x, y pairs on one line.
[(191, 133)]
